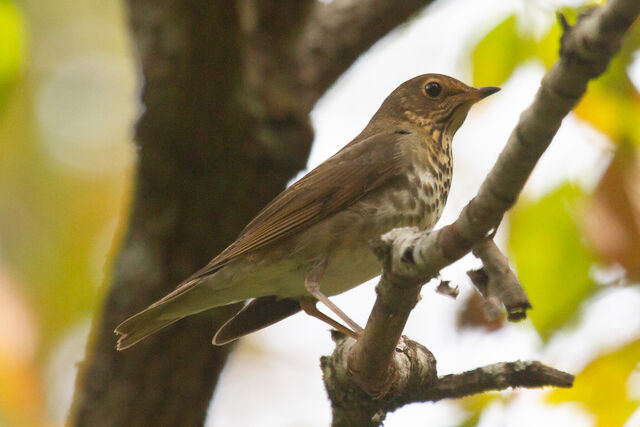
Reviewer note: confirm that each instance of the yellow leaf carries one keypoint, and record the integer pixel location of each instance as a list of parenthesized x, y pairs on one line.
[(612, 103), (602, 387), (548, 47), (21, 396), (11, 45), (611, 113)]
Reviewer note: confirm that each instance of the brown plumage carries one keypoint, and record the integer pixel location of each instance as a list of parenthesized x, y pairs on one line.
[(313, 238)]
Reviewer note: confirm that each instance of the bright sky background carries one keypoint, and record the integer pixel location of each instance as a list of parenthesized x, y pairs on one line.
[(273, 378)]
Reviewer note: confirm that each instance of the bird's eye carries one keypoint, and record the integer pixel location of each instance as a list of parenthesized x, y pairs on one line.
[(433, 89)]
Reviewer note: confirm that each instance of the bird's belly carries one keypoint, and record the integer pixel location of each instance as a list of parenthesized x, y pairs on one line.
[(346, 248), (342, 242), (348, 267)]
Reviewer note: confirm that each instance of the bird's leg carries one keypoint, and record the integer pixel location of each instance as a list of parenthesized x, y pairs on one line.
[(341, 314), (308, 305), (312, 284)]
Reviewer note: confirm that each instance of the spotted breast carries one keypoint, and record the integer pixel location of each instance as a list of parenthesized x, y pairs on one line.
[(419, 197)]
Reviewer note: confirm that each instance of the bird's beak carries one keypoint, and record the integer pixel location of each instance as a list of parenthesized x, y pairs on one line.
[(473, 95), (483, 92)]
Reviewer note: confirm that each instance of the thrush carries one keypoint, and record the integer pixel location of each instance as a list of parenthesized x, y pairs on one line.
[(312, 241)]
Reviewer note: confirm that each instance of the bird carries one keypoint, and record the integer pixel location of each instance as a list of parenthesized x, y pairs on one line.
[(313, 240)]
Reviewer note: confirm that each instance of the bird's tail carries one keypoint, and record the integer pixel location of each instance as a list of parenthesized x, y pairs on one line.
[(186, 300), (140, 326), (257, 314)]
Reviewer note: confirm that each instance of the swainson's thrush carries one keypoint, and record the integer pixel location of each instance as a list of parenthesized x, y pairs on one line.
[(313, 239)]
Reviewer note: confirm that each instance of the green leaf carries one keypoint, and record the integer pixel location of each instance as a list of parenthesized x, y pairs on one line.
[(11, 46), (602, 386), (551, 260), (547, 49), (497, 55)]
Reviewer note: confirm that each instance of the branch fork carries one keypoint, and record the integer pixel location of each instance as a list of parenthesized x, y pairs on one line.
[(383, 370)]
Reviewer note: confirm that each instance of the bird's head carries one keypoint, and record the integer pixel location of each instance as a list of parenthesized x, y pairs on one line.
[(434, 101)]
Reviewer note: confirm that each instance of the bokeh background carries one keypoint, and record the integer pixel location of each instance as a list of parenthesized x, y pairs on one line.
[(68, 102)]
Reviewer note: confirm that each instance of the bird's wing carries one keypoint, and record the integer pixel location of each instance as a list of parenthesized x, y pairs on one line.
[(359, 168), (339, 182)]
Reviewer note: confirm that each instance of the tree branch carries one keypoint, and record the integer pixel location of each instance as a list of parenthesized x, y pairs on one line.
[(496, 280), (410, 258), (371, 361), (337, 33), (499, 376), (415, 380), (414, 369)]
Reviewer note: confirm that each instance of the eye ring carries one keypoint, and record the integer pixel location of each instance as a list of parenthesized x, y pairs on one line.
[(433, 89)]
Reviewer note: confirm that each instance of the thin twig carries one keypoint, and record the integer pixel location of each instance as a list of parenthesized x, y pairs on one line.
[(496, 279), (499, 376)]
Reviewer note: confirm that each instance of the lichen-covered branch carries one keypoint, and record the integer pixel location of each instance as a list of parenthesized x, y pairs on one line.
[(415, 380), (499, 376), (414, 368), (371, 362), (496, 280), (410, 258)]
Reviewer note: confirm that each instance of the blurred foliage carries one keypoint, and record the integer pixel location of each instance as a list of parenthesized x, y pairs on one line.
[(603, 387), (498, 54), (12, 42), (612, 103), (611, 220), (612, 106), (475, 404), (555, 241), (552, 261), (21, 394), (61, 192), (507, 46)]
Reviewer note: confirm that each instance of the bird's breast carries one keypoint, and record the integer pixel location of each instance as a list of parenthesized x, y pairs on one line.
[(416, 199)]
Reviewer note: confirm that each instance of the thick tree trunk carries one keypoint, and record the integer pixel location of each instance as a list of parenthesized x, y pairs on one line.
[(201, 177), (227, 90)]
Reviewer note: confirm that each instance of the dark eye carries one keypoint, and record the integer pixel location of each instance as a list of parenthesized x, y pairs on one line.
[(433, 89)]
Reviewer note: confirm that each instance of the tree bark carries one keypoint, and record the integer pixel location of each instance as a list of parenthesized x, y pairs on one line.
[(227, 91)]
